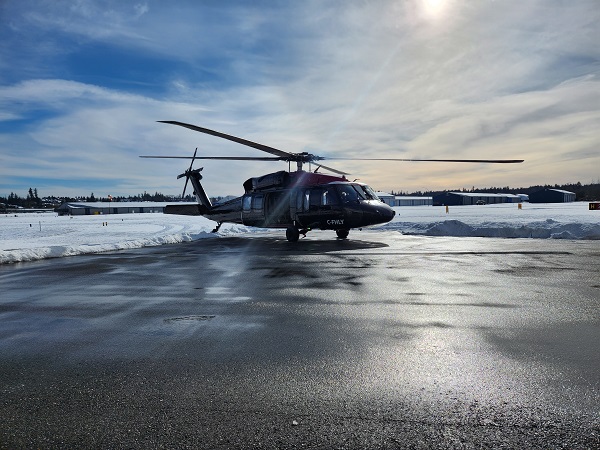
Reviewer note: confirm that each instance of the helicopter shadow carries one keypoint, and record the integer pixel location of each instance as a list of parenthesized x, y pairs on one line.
[(270, 244)]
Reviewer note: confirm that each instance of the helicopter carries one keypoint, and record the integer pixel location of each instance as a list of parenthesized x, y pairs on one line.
[(298, 201)]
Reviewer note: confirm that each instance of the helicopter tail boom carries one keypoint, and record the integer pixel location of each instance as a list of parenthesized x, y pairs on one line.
[(183, 210), (194, 177)]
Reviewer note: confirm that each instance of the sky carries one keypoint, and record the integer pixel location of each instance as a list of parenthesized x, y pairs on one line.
[(84, 82)]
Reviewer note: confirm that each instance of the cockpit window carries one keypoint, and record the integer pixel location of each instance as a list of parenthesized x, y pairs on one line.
[(360, 191), (367, 192), (354, 192), (347, 193)]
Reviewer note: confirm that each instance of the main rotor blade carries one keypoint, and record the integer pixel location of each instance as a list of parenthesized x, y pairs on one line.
[(226, 158), (242, 158), (339, 172), (487, 161), (256, 145)]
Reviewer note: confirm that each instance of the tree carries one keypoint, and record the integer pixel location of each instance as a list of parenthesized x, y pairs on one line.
[(31, 198)]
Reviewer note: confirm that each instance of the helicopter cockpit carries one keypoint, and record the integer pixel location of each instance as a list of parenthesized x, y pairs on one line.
[(354, 192), (338, 205)]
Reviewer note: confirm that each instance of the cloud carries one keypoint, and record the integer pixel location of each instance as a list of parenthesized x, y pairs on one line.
[(88, 80)]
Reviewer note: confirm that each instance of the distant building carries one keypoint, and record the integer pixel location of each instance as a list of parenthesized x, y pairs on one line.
[(473, 198), (404, 200), (91, 208), (551, 196)]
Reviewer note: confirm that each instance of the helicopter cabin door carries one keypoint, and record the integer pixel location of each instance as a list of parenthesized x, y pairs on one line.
[(277, 212), (318, 207), (253, 213)]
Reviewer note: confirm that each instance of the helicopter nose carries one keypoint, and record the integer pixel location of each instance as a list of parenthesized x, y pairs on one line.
[(381, 213), (388, 213)]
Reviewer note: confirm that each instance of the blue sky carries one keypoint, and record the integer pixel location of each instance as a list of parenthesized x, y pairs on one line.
[(82, 84)]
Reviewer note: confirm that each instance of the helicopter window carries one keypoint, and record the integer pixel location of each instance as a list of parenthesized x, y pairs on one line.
[(306, 200), (299, 200), (315, 198), (247, 203), (348, 194), (365, 192), (359, 191), (329, 197), (257, 202), (371, 195)]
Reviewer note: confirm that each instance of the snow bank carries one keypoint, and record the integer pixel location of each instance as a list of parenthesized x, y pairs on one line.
[(540, 221), (27, 237)]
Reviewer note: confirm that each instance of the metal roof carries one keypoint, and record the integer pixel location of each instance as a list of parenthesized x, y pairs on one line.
[(484, 194), (74, 205)]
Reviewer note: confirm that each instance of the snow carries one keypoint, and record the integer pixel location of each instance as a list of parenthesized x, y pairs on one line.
[(534, 220), (28, 236)]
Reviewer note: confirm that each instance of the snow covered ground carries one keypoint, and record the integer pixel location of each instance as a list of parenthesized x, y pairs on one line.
[(27, 237), (30, 236), (534, 220)]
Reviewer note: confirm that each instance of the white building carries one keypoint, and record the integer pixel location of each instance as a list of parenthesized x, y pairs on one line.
[(474, 198), (92, 208), (404, 200)]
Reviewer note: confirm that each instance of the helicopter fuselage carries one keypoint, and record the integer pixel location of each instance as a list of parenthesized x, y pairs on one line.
[(299, 201)]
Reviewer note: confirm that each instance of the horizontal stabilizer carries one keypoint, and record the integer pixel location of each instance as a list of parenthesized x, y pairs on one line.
[(183, 210)]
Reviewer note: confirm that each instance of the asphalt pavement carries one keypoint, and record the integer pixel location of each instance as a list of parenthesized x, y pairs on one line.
[(378, 341)]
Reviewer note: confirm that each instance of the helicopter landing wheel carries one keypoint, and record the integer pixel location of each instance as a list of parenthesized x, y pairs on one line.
[(342, 234), (292, 234)]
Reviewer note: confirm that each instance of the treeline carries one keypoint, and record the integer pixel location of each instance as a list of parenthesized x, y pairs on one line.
[(33, 200), (583, 192)]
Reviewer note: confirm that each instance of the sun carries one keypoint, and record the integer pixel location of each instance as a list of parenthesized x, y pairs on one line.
[(433, 8)]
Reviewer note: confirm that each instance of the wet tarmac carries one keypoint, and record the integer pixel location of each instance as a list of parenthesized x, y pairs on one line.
[(379, 341)]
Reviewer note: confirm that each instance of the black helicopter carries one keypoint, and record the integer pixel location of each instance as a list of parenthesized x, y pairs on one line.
[(298, 201)]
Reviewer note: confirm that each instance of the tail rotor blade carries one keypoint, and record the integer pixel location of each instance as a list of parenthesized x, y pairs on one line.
[(187, 173), (193, 157), (185, 187)]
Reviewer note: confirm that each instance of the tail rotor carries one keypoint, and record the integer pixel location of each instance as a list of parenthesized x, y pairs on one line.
[(187, 173)]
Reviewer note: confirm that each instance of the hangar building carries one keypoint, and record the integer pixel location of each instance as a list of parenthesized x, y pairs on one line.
[(403, 200), (551, 196), (91, 208), (473, 198)]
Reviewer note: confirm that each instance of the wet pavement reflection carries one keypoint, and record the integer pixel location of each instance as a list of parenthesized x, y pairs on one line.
[(381, 340)]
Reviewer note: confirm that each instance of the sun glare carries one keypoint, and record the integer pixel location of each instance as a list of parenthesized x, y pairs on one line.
[(433, 8)]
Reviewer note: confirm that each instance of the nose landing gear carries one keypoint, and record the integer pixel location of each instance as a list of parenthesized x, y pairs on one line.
[(292, 234), (342, 234)]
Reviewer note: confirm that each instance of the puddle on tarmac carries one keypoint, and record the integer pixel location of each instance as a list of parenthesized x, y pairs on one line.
[(189, 318)]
